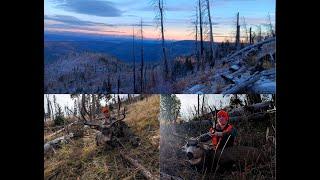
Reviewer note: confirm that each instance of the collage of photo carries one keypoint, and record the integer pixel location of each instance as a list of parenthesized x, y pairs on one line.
[(159, 89)]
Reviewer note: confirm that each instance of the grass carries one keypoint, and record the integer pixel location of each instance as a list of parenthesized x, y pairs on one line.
[(82, 159)]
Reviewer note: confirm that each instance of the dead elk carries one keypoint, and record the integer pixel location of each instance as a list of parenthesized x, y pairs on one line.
[(201, 155), (109, 135)]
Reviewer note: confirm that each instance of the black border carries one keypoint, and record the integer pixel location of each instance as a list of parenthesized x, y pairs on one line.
[(24, 125)]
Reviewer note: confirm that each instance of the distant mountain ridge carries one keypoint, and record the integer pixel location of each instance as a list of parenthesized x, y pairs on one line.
[(56, 46)]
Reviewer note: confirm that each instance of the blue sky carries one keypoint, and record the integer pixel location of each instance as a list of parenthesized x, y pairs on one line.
[(115, 17)]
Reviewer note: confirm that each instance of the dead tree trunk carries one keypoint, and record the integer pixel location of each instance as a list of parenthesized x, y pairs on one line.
[(146, 173), (141, 82), (119, 105), (270, 26), (83, 106), (201, 37), (93, 113), (257, 45), (145, 77), (212, 61), (202, 106), (238, 33), (254, 98), (262, 106), (198, 110), (51, 144), (197, 50), (166, 68), (134, 63), (250, 37), (109, 87), (236, 88)]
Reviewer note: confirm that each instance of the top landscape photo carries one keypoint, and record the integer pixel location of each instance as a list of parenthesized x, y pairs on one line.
[(160, 46)]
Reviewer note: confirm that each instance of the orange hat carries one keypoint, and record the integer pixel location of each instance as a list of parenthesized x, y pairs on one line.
[(223, 114), (105, 109)]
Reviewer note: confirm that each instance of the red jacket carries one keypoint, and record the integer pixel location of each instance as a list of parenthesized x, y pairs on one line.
[(227, 130)]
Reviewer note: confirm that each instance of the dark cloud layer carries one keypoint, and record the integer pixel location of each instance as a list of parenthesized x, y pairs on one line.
[(90, 7)]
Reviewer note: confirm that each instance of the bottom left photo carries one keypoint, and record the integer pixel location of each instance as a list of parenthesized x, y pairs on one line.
[(101, 136)]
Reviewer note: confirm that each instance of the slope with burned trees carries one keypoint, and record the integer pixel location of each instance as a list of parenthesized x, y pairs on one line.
[(72, 151)]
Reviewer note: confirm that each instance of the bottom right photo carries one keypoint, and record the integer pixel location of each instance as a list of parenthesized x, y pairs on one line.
[(215, 136)]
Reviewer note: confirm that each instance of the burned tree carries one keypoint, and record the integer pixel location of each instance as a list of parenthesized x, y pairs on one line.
[(259, 36), (201, 35), (134, 63), (119, 104), (196, 39), (254, 98), (270, 26), (141, 68), (246, 30), (198, 109), (203, 104), (250, 37), (93, 106), (75, 108), (159, 5), (237, 43), (211, 58)]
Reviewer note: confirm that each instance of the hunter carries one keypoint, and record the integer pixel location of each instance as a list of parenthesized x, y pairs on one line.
[(106, 113), (222, 130)]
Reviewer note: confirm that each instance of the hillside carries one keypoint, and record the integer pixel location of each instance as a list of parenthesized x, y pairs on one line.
[(251, 69), (84, 72), (82, 159)]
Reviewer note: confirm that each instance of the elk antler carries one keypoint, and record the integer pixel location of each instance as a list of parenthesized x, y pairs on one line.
[(214, 116), (124, 116), (95, 126)]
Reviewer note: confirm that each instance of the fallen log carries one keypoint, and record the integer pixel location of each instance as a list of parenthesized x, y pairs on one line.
[(251, 46), (147, 174), (51, 144), (252, 108), (236, 88), (228, 79), (251, 117), (241, 85), (241, 70), (59, 131), (55, 133), (272, 59)]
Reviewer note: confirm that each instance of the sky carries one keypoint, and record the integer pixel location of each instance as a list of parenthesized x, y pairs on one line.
[(116, 17)]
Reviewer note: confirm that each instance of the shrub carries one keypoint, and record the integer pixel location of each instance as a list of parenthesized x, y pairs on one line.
[(59, 120)]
